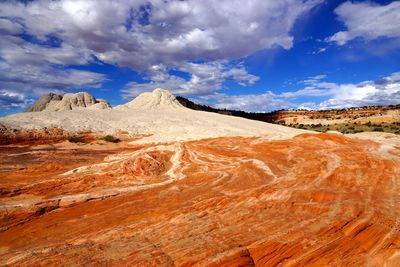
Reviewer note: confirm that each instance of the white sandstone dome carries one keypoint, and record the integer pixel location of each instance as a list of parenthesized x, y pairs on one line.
[(158, 99), (53, 102)]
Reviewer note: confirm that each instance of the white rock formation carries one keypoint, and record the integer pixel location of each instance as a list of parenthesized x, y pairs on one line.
[(158, 99), (157, 115), (53, 102), (44, 101)]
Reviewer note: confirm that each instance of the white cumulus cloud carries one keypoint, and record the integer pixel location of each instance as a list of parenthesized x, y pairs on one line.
[(204, 78), (367, 20), (141, 34), (385, 91)]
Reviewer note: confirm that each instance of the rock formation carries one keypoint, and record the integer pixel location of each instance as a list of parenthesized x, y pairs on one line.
[(156, 114), (44, 101), (54, 102), (158, 99)]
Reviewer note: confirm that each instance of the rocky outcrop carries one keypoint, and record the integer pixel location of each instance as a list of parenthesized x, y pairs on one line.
[(54, 102), (158, 99), (44, 101)]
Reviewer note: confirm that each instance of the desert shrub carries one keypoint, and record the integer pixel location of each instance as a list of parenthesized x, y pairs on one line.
[(351, 128), (378, 129), (112, 139), (76, 139), (358, 131), (368, 124)]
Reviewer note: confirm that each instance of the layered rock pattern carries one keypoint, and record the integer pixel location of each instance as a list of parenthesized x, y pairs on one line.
[(321, 200)]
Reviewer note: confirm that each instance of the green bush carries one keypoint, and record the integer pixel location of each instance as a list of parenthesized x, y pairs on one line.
[(76, 139), (112, 139), (378, 129)]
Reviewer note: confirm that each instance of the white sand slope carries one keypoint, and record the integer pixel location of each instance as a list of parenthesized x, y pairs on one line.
[(153, 117)]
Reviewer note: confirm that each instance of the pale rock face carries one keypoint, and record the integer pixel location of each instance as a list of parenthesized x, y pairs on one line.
[(158, 99), (44, 101), (102, 104), (53, 102)]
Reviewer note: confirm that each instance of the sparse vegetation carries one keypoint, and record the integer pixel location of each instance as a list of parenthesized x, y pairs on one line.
[(76, 139), (378, 129), (112, 139), (349, 127), (343, 130)]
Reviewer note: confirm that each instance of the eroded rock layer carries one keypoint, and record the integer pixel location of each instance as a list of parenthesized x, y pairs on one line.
[(322, 200)]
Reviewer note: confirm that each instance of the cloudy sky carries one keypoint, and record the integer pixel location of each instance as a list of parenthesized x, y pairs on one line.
[(256, 55)]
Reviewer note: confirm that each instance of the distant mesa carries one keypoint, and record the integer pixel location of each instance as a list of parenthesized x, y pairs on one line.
[(158, 99), (55, 102)]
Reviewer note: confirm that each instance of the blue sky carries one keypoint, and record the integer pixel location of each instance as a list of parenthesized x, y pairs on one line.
[(254, 55)]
